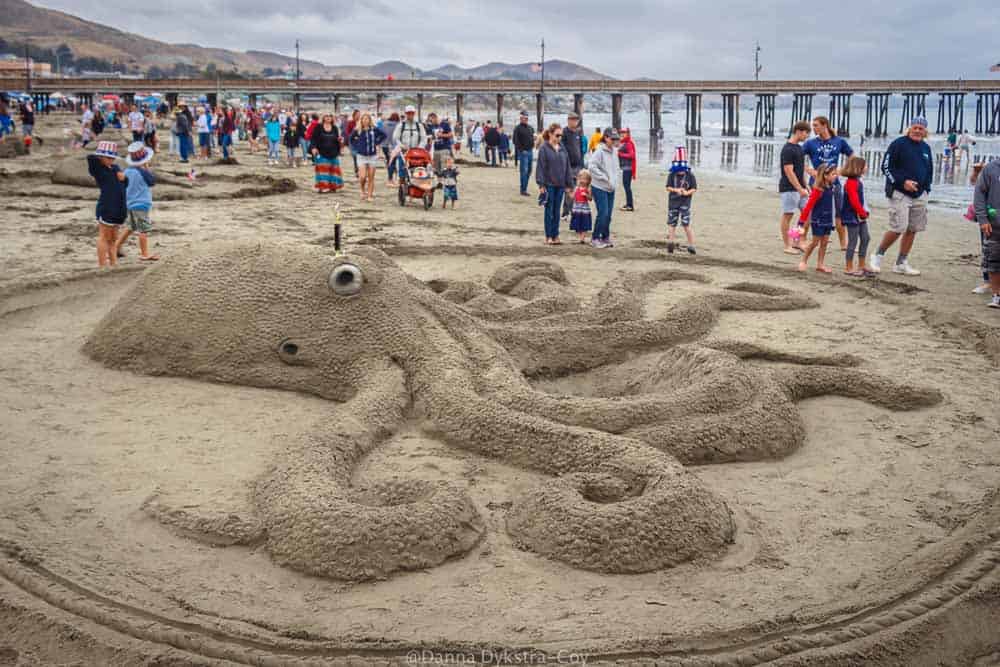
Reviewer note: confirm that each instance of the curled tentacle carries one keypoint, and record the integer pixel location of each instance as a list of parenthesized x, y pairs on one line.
[(876, 389)]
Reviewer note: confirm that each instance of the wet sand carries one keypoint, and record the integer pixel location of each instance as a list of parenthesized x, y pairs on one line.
[(875, 517)]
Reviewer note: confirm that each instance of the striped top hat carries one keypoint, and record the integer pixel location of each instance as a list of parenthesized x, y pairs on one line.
[(680, 161), (107, 149)]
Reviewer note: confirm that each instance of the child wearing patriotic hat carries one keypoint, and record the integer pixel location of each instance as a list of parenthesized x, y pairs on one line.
[(681, 184), (138, 198), (111, 209)]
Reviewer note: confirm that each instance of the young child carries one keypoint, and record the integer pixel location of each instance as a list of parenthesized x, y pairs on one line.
[(504, 145), (819, 211), (138, 198), (580, 221), (855, 216), (681, 184), (111, 210), (449, 182), (273, 129), (291, 141)]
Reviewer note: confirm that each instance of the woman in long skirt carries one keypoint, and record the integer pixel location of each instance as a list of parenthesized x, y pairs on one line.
[(325, 148)]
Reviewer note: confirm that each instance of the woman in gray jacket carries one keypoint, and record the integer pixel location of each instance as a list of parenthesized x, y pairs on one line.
[(554, 177), (604, 173)]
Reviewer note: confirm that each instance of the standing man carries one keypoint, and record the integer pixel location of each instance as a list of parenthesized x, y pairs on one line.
[(524, 144), (986, 203), (909, 168), (443, 140), (410, 133), (791, 186), (826, 148), (572, 142), (27, 119)]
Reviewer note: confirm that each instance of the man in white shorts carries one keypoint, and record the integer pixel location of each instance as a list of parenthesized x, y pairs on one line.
[(791, 185), (909, 169)]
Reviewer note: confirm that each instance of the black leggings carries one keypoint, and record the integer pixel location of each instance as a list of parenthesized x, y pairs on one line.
[(855, 232), (982, 247)]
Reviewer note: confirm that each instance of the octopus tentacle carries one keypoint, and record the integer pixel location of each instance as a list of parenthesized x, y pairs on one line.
[(316, 522), (879, 390)]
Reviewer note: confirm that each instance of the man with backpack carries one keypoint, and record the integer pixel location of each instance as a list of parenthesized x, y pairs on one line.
[(410, 133)]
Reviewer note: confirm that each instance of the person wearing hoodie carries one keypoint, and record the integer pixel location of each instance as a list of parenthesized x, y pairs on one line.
[(365, 140), (604, 172), (628, 162), (571, 141), (554, 177), (389, 146), (985, 204)]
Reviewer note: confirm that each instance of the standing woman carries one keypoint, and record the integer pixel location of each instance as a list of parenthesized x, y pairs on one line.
[(304, 123), (253, 128), (604, 173), (476, 138), (628, 162), (348, 133), (365, 141), (324, 145), (554, 177)]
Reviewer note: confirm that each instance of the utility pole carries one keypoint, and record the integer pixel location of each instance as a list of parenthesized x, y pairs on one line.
[(757, 67), (542, 64), (27, 67), (298, 73)]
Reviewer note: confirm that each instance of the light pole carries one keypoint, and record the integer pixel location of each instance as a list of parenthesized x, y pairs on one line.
[(757, 67), (298, 73), (27, 67)]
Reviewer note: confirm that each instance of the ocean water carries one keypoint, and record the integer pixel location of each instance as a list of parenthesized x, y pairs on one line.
[(757, 160)]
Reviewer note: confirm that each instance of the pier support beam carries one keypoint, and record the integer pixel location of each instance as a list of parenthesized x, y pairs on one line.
[(951, 112), (578, 105), (459, 128), (730, 155), (763, 124), (655, 116), (616, 110), (692, 122), (802, 109), (499, 108), (730, 114), (127, 98), (540, 111), (987, 113), (420, 106), (877, 114), (379, 98), (252, 100), (336, 104), (914, 104), (840, 113), (212, 100)]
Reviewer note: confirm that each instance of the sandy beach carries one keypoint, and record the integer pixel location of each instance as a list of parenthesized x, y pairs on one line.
[(875, 542)]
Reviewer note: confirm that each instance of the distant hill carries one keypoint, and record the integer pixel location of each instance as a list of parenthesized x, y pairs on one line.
[(89, 45)]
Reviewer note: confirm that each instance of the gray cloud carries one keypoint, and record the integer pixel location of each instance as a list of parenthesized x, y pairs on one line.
[(680, 39)]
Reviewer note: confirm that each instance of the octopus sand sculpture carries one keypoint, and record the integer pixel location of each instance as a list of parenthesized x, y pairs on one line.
[(457, 356)]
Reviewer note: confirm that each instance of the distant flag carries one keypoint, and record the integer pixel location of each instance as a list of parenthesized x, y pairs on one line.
[(995, 68), (536, 67)]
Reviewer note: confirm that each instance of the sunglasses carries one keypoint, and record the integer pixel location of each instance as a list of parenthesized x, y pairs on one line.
[(558, 135)]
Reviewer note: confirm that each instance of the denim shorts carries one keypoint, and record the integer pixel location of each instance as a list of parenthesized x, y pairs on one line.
[(819, 229), (204, 139), (991, 254)]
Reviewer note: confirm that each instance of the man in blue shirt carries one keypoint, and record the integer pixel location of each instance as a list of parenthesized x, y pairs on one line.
[(826, 148), (443, 138), (909, 169)]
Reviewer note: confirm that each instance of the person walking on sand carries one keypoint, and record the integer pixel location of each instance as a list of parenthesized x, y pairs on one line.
[(138, 199), (136, 123), (682, 186), (791, 185), (182, 127), (826, 148), (604, 172), (908, 166), (365, 141), (524, 146), (554, 178), (986, 203), (820, 212), (476, 138), (27, 119), (492, 140), (273, 129), (629, 164), (444, 137), (855, 216), (324, 145), (965, 143), (389, 147)]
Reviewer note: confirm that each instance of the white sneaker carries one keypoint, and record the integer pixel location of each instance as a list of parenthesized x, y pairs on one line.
[(995, 302), (875, 263), (905, 269), (982, 289)]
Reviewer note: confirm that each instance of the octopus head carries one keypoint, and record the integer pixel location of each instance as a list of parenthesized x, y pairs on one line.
[(293, 317)]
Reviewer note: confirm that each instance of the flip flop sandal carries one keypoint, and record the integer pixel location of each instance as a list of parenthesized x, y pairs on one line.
[(150, 258)]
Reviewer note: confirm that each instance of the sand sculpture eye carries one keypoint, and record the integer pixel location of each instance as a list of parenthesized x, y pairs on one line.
[(346, 280)]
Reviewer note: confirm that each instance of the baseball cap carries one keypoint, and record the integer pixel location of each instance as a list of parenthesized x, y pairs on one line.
[(524, 114), (572, 115), (611, 133), (919, 120), (410, 109)]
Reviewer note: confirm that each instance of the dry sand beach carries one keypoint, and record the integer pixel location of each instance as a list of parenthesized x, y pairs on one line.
[(876, 541)]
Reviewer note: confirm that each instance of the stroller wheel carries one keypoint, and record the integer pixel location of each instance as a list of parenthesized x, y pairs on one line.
[(401, 194)]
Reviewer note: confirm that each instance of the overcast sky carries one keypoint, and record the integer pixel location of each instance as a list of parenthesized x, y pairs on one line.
[(666, 39)]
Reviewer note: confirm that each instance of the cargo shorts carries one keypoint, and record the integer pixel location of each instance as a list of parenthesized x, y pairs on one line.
[(907, 213), (138, 221)]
